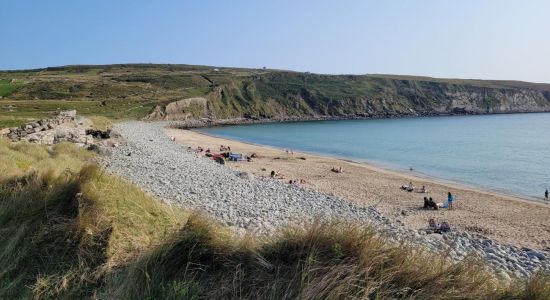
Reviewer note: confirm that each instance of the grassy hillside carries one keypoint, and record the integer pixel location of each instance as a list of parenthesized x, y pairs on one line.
[(133, 91), (70, 231)]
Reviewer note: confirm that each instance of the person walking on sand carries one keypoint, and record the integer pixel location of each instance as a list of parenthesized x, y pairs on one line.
[(450, 200), (546, 194)]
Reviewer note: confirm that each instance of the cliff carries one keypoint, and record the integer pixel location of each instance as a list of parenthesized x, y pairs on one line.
[(206, 94)]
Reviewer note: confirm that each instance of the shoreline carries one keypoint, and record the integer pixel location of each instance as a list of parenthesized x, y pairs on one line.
[(381, 167), (519, 221), (208, 123)]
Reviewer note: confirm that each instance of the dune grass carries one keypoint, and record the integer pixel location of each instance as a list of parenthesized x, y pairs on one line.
[(323, 261), (68, 230), (65, 223)]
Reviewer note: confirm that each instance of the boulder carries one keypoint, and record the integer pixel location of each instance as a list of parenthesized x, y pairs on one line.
[(5, 131)]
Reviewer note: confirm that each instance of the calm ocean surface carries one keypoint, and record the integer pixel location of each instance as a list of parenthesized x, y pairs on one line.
[(505, 153)]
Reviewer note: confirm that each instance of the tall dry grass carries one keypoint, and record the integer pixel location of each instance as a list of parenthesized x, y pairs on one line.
[(322, 261), (65, 223)]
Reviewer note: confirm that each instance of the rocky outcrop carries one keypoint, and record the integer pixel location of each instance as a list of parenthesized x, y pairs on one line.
[(181, 110), (63, 127)]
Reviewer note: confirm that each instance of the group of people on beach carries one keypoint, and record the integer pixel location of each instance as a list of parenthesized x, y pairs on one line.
[(429, 203), (410, 188)]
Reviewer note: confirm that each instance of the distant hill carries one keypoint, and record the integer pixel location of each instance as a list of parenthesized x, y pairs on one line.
[(145, 90)]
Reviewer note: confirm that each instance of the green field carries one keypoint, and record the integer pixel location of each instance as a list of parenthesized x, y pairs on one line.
[(6, 88)]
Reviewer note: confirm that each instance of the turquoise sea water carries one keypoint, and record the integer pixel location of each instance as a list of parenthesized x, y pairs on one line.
[(506, 153)]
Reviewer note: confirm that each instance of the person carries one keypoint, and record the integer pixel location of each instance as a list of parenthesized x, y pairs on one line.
[(432, 224), (444, 227), (432, 204), (272, 173), (426, 203), (423, 189), (546, 194), (410, 188), (450, 200)]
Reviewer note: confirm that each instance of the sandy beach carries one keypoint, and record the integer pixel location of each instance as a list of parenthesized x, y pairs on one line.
[(507, 219)]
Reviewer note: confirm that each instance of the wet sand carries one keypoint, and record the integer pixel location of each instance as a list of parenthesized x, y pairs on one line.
[(504, 218)]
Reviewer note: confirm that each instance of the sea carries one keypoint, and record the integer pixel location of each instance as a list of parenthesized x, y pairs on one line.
[(506, 153)]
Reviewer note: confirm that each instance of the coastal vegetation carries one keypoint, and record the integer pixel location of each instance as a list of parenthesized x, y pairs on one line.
[(70, 230), (135, 91)]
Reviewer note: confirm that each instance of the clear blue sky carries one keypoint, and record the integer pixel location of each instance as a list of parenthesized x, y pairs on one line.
[(488, 39)]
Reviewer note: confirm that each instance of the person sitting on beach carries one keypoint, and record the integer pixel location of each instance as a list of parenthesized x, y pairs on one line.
[(423, 189), (429, 203), (337, 170), (432, 224), (438, 228), (450, 199), (432, 204), (272, 173), (408, 188), (444, 227)]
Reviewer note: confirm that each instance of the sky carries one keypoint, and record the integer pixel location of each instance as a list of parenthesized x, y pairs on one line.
[(483, 39)]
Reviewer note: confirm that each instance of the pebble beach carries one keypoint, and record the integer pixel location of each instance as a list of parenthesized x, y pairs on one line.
[(243, 196)]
